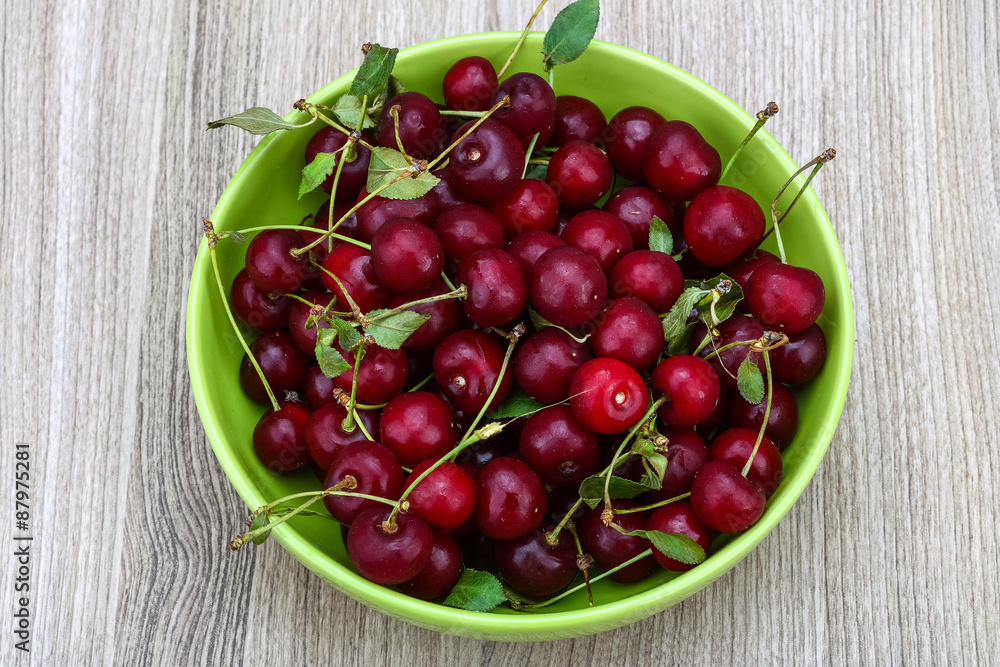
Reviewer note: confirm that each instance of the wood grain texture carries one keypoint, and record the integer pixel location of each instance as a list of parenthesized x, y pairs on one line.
[(890, 556)]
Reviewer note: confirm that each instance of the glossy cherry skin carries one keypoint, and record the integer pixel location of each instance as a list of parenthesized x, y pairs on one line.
[(735, 446), (636, 206), (558, 447), (298, 315), (650, 276), (354, 268), (544, 364), (444, 192), (786, 298), (801, 358), (533, 567), (721, 224), (577, 119), (420, 126), (381, 375), (388, 558), (608, 396), (497, 288), (317, 388), (256, 308), (488, 163), (271, 265), (466, 366), (353, 174), (532, 103), (279, 439), (736, 329), (466, 228), (678, 162), (416, 426), (484, 451), (626, 137), (447, 316), (406, 255), (378, 210), (743, 268), (377, 473), (469, 84), (529, 246), (349, 227), (724, 500), (691, 387), (599, 234), (281, 360), (686, 455), (719, 416), (325, 434), (782, 422), (628, 330), (610, 548), (510, 499), (679, 517), (568, 287), (445, 498), (442, 572), (531, 206), (579, 174)]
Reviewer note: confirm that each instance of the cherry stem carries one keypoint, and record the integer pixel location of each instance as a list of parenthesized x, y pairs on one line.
[(539, 160), (455, 112), (458, 293), (635, 559), (767, 415), (703, 344), (447, 281), (302, 228), (420, 384), (350, 421), (520, 40), (212, 240), (310, 304), (552, 82), (552, 537), (394, 112), (653, 506), (762, 116), (631, 434), (513, 337), (816, 163), (333, 194), (314, 109), (505, 102), (350, 301), (583, 563), (716, 351), (527, 158)]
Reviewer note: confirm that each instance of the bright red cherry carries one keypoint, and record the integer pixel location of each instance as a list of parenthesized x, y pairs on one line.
[(650, 276), (530, 206), (579, 173), (786, 298), (527, 247), (721, 224), (679, 517), (406, 255), (725, 500), (691, 387), (735, 446), (577, 119), (445, 498), (608, 396), (510, 499), (466, 228), (599, 234), (416, 426), (376, 473), (355, 270), (469, 84), (325, 434), (488, 163), (678, 162)]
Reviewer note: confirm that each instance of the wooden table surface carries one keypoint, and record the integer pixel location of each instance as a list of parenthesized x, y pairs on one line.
[(890, 556)]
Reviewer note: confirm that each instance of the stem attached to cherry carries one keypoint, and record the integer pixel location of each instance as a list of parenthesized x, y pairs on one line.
[(816, 164), (767, 415), (762, 116), (505, 102), (635, 559), (520, 40)]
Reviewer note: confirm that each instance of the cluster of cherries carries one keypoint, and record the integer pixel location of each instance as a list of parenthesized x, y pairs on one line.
[(516, 243)]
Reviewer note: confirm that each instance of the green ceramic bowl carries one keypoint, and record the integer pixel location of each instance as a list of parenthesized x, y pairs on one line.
[(263, 191)]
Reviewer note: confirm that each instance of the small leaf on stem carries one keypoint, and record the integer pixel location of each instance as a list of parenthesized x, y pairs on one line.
[(392, 331), (674, 321), (387, 165), (592, 489), (347, 109), (346, 334), (675, 545), (749, 381), (571, 32), (317, 171), (476, 591), (255, 120), (331, 362), (660, 238), (517, 404), (260, 521), (373, 75)]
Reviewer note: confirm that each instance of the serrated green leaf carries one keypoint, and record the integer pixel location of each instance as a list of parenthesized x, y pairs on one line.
[(660, 238), (396, 87), (750, 381), (516, 404), (592, 489), (681, 344), (331, 362), (346, 334), (675, 545), (373, 75), (674, 321), (392, 331), (725, 306), (386, 165), (653, 462), (538, 172), (260, 521), (255, 120), (476, 591), (317, 171), (348, 111), (571, 32)]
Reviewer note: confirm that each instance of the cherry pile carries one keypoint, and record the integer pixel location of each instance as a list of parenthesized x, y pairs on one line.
[(564, 399)]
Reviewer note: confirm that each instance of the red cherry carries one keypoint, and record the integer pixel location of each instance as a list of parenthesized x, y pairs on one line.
[(532, 103), (466, 228), (325, 434), (650, 276), (469, 84), (608, 396), (678, 162), (379, 210), (599, 234), (686, 455), (801, 358), (568, 287), (679, 517), (376, 471), (466, 366), (530, 206), (445, 498), (510, 499), (577, 118), (381, 375), (527, 247), (786, 298), (721, 224), (406, 255), (416, 426), (255, 307), (388, 558), (691, 387), (532, 566), (558, 447), (628, 330), (442, 572), (782, 421), (544, 364), (353, 175), (420, 126), (283, 363), (610, 548), (627, 134), (579, 174), (447, 317), (497, 289), (734, 447), (271, 265), (635, 206), (725, 500), (279, 439), (488, 163), (354, 268)]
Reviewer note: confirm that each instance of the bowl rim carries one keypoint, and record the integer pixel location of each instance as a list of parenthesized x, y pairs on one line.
[(532, 625)]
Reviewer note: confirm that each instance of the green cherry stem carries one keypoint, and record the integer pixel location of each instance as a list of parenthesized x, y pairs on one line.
[(767, 415), (527, 153), (645, 554), (631, 434), (520, 40), (468, 114), (350, 301), (361, 425), (505, 102), (459, 293), (762, 116), (301, 228), (513, 337), (349, 420), (447, 281), (816, 164), (420, 384), (653, 506)]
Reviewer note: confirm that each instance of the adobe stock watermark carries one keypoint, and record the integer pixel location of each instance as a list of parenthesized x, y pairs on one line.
[(22, 547)]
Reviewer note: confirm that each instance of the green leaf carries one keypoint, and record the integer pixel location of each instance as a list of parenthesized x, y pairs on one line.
[(725, 306), (331, 362), (476, 591), (681, 343), (236, 237), (517, 404), (260, 521), (348, 111), (373, 75), (660, 238), (392, 331), (571, 32), (255, 120), (654, 463), (317, 171), (674, 321), (386, 166), (539, 172), (396, 87), (675, 545), (592, 489), (750, 381), (346, 334)]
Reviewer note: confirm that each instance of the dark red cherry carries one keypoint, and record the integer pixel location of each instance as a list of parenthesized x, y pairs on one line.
[(545, 362), (742, 269), (349, 227), (724, 500), (530, 206), (281, 360), (384, 557), (279, 439), (376, 472), (256, 308), (610, 548), (484, 451), (568, 287), (416, 426), (721, 224), (679, 517), (271, 265), (726, 363), (379, 210), (691, 387), (650, 276), (406, 255), (533, 567), (354, 174), (445, 192), (636, 206), (786, 298), (466, 366), (488, 163), (579, 173), (510, 499), (577, 118), (628, 330), (782, 421), (529, 246), (420, 127), (447, 316), (466, 228), (298, 315), (478, 551), (445, 498), (325, 434), (601, 235), (608, 396), (442, 572), (626, 136), (558, 447), (686, 455), (469, 84), (801, 358), (708, 427), (497, 288), (354, 268), (678, 162), (735, 446), (381, 375), (318, 388), (532, 103)]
